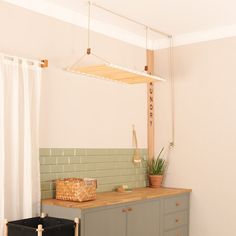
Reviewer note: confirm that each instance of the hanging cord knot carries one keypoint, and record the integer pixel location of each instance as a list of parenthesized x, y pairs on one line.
[(88, 51)]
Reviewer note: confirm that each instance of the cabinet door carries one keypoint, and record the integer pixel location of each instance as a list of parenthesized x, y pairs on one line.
[(105, 222), (144, 219)]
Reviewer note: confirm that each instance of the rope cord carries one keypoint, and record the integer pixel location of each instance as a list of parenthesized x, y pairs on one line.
[(89, 36), (172, 90), (101, 58), (146, 38), (129, 19), (79, 60), (136, 157), (89, 22)]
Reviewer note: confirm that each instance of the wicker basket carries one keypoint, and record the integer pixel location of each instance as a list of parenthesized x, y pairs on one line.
[(75, 189)]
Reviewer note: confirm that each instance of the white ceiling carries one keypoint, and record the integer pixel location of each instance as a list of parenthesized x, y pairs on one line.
[(172, 16), (199, 20)]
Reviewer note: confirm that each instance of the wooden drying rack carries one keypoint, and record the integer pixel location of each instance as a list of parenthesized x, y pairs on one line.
[(115, 73)]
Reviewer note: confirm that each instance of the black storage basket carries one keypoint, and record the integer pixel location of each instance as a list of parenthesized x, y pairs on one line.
[(51, 227)]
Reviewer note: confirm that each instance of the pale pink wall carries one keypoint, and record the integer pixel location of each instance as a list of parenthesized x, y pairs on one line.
[(77, 111), (204, 157), (81, 112)]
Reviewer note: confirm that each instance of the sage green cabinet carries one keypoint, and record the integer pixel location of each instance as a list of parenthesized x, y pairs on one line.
[(181, 231), (136, 219), (162, 216), (105, 222), (144, 219), (175, 216), (129, 220)]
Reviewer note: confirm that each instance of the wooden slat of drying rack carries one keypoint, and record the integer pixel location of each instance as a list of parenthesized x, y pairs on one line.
[(115, 73)]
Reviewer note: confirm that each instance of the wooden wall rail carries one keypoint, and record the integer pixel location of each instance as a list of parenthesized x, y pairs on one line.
[(150, 105)]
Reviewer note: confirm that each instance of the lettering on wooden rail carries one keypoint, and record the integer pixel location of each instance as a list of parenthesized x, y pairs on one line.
[(150, 105), (150, 120)]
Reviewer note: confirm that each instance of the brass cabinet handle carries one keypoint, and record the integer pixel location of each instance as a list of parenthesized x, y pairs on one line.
[(125, 210)]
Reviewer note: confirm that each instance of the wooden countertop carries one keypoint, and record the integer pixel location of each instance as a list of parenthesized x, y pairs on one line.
[(112, 198)]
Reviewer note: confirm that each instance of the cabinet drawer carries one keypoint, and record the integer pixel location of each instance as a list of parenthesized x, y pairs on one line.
[(176, 219), (178, 203), (183, 231)]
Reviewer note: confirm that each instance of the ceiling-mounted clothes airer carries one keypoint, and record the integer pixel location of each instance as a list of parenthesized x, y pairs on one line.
[(106, 70)]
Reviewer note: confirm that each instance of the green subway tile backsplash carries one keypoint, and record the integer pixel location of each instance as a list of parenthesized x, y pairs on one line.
[(111, 167)]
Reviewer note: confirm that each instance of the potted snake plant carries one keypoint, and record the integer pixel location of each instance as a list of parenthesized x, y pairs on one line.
[(156, 170)]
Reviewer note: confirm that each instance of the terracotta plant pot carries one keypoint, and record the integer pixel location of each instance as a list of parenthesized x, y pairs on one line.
[(155, 181)]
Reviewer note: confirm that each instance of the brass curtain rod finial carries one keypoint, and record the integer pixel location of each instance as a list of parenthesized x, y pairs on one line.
[(44, 63)]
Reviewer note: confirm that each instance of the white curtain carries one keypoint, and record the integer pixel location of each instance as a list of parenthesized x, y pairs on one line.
[(19, 120)]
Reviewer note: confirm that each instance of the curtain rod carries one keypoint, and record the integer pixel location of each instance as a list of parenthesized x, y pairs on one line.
[(43, 63), (131, 20)]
